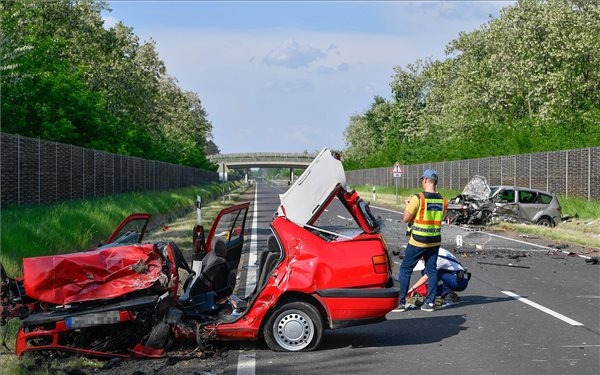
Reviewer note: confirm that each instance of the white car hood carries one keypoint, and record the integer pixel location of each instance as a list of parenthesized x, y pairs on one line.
[(312, 189), (477, 188)]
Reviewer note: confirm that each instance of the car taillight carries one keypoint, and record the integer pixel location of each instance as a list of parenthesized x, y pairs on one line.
[(380, 264)]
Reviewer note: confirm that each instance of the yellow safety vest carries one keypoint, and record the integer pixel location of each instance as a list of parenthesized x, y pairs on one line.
[(427, 224)]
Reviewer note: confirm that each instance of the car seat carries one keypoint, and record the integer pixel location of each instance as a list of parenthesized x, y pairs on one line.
[(268, 261), (215, 275)]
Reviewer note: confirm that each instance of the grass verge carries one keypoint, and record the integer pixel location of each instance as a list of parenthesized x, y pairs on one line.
[(175, 208), (79, 225)]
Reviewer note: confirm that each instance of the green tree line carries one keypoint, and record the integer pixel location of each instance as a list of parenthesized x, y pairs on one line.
[(66, 77), (527, 81)]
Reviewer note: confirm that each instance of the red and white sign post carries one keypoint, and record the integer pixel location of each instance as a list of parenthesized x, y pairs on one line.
[(397, 172)]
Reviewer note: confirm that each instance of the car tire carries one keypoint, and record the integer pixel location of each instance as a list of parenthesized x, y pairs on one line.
[(545, 222), (294, 326), (486, 217), (160, 336)]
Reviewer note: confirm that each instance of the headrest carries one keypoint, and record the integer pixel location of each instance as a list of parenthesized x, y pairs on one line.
[(219, 247), (273, 245)]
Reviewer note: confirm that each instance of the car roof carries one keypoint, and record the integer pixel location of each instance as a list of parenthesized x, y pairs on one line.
[(498, 187), (312, 189)]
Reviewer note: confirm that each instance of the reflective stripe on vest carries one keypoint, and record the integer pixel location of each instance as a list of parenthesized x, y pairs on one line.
[(427, 224)]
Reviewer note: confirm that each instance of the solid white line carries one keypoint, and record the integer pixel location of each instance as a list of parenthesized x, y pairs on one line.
[(247, 358), (386, 209), (542, 308), (246, 362), (253, 254), (523, 242)]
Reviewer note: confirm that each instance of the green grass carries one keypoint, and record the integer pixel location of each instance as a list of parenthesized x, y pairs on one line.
[(79, 225), (95, 224)]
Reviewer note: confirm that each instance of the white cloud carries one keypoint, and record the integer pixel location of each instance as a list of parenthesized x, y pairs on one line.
[(339, 76), (293, 55), (292, 89)]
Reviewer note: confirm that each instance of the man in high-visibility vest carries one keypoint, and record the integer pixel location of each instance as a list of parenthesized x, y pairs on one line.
[(424, 213)]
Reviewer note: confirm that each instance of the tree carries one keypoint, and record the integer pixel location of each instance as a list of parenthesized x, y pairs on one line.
[(527, 81), (66, 78)]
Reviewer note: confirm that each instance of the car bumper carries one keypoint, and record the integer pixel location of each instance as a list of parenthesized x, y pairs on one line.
[(347, 306)]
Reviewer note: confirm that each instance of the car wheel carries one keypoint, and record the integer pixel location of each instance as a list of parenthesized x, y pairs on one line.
[(545, 222), (486, 217), (295, 326), (160, 336)]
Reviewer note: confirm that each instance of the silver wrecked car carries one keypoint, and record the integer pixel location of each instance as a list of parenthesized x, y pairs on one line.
[(480, 203), (527, 205)]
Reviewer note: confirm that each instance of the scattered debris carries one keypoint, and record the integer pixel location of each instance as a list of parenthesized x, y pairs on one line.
[(503, 265), (515, 256), (594, 260)]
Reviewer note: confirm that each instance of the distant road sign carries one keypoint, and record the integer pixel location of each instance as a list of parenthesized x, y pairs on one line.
[(397, 170)]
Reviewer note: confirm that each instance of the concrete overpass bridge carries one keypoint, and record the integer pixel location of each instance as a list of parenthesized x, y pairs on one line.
[(245, 161)]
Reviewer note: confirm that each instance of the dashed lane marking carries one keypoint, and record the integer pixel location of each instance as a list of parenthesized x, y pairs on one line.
[(542, 308)]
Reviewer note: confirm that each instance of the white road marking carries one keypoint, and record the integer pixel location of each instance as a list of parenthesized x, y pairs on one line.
[(247, 358), (246, 362), (386, 209), (542, 308), (523, 242)]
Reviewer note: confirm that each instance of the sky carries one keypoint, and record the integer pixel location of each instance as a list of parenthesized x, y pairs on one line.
[(286, 76)]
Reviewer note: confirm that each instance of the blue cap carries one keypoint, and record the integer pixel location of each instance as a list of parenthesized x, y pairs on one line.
[(430, 174)]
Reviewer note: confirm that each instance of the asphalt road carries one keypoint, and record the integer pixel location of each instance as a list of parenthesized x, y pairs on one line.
[(528, 309)]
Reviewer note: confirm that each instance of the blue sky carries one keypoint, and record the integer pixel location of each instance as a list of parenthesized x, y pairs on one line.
[(285, 76)]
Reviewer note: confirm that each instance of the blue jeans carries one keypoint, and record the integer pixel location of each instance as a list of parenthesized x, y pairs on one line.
[(450, 282), (411, 257)]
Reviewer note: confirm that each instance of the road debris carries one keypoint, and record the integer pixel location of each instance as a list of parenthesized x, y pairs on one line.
[(503, 265)]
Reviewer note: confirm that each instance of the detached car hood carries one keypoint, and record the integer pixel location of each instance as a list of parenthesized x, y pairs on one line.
[(477, 189), (91, 275), (312, 189)]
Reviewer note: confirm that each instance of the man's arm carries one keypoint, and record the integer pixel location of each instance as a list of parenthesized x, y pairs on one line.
[(412, 205), (419, 282)]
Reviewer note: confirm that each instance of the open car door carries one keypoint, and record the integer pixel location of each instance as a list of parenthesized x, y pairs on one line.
[(230, 225), (130, 231)]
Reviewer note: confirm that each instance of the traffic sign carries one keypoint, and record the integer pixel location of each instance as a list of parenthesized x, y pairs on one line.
[(397, 170)]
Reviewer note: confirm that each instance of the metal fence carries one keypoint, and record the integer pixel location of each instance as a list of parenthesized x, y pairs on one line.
[(34, 171), (571, 173)]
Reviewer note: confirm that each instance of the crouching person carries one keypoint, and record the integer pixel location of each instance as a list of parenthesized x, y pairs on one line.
[(452, 278)]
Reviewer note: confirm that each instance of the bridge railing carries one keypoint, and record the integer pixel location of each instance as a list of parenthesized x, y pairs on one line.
[(262, 156)]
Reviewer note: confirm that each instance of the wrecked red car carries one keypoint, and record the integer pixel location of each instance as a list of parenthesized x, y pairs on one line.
[(126, 299)]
